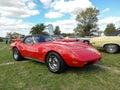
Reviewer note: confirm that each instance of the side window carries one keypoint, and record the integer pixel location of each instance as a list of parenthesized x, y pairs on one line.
[(40, 38), (28, 40), (36, 38)]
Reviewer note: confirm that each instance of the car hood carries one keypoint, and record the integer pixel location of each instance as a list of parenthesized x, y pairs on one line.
[(71, 44)]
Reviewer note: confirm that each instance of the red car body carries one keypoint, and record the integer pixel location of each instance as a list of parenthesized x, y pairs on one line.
[(73, 53)]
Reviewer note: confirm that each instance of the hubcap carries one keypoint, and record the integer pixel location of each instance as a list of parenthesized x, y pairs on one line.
[(53, 63), (112, 48), (15, 54)]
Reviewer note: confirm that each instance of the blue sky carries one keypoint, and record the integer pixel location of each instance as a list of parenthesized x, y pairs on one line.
[(20, 15)]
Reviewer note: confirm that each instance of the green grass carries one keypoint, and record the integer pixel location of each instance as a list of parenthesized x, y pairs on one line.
[(111, 60), (35, 76), (5, 53)]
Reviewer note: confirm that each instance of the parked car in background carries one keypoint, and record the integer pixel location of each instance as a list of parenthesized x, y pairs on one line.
[(16, 39), (71, 39), (55, 37), (81, 39), (84, 39), (110, 44), (57, 55)]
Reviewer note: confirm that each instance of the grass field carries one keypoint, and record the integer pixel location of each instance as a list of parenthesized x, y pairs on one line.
[(31, 75)]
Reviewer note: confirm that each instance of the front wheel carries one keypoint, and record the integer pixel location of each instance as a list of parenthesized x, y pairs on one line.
[(111, 48), (16, 55), (55, 63), (86, 41)]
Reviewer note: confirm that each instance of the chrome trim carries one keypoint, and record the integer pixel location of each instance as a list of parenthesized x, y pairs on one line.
[(33, 59)]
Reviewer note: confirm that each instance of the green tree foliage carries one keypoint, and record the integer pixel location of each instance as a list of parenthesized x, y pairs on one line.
[(37, 29), (109, 29), (68, 34), (14, 35), (1, 40), (87, 22), (57, 31)]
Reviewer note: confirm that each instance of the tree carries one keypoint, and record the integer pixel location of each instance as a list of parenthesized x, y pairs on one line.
[(14, 35), (109, 28), (87, 22), (38, 29), (57, 30), (1, 40), (68, 34), (9, 35)]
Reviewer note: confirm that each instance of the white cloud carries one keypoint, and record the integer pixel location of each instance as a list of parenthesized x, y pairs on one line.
[(105, 10), (108, 20), (60, 7), (53, 15), (13, 25), (31, 5), (71, 6), (66, 26), (103, 22), (17, 8), (46, 3)]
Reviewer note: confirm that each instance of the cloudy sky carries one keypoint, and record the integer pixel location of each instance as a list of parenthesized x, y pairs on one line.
[(20, 15)]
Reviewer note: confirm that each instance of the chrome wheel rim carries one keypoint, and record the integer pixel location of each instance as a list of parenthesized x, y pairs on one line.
[(53, 63), (111, 48), (15, 54)]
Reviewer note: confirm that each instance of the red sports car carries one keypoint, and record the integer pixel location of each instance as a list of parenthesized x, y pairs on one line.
[(56, 54)]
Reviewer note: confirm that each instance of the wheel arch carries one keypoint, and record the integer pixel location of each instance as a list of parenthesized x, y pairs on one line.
[(88, 42), (20, 57), (55, 52), (18, 50), (61, 67), (111, 44), (14, 47)]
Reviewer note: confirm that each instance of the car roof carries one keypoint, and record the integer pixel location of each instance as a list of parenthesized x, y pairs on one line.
[(37, 35)]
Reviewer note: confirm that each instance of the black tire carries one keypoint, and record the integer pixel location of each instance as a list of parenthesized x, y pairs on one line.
[(16, 55), (111, 48), (55, 63), (86, 41)]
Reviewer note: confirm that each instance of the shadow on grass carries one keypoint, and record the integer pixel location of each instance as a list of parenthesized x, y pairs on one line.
[(86, 69), (77, 70)]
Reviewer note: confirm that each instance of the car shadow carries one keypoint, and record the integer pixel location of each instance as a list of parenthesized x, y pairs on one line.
[(78, 70), (87, 69)]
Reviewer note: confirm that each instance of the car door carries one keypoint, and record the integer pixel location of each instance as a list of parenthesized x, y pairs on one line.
[(29, 47)]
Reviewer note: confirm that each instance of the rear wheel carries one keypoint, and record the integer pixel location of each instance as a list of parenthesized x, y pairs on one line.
[(55, 63), (86, 41), (111, 48), (16, 55)]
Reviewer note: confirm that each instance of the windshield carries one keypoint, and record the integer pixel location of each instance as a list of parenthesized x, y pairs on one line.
[(44, 38)]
